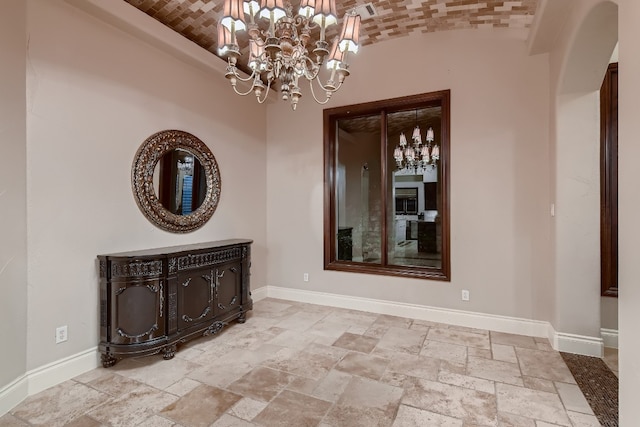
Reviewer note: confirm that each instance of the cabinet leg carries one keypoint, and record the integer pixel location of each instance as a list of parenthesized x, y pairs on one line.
[(243, 317), (107, 360), (169, 352)]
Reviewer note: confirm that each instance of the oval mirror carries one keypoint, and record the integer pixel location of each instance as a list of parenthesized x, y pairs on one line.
[(176, 181)]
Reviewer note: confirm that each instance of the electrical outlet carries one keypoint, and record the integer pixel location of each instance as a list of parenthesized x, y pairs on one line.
[(61, 334), (305, 277), (465, 295)]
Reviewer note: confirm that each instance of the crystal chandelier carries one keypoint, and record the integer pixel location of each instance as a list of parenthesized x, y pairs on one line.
[(417, 156), (279, 48)]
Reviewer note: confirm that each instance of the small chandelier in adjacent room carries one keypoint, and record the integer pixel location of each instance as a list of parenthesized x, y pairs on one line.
[(279, 46), (417, 156)]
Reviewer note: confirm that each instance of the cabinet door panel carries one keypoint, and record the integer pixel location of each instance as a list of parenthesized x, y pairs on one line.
[(195, 297), (137, 311), (229, 280)]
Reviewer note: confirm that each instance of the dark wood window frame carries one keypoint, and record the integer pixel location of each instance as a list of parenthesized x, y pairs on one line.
[(330, 117), (609, 182)]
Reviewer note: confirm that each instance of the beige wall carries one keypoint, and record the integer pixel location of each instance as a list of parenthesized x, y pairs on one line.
[(499, 172), (13, 202), (629, 212), (94, 95)]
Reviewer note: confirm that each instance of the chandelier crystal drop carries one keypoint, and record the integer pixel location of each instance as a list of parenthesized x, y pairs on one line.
[(281, 49), (417, 156)]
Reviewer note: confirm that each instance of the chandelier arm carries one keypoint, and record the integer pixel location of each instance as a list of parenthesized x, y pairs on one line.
[(266, 94), (328, 88), (314, 94), (233, 69), (235, 89)]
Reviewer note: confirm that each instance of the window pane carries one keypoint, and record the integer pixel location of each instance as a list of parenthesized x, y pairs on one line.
[(358, 193), (414, 236)]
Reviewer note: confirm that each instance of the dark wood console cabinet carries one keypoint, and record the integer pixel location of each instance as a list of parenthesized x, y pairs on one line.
[(152, 300)]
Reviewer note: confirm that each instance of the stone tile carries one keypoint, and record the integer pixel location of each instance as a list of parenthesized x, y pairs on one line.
[(376, 331), (8, 420), (538, 405), (573, 399), (414, 417), (468, 329), (363, 365), (327, 350), (229, 367), (454, 367), (583, 420), (452, 336), (182, 387), (357, 320), (253, 339), (393, 321), (300, 321), (470, 406), (465, 381), (331, 387), (247, 408), (505, 353), (479, 352), (423, 325), (93, 375), (154, 421), (304, 364), (444, 351), (395, 379), (261, 383), (544, 346), (415, 366), (494, 370), (511, 420), (230, 421), (59, 405), (293, 339), (514, 340), (353, 416), (329, 328), (114, 384), (547, 365), (302, 385), (355, 342), (402, 340), (132, 408), (539, 384), (365, 393), (201, 406), (85, 421), (157, 372), (293, 409)]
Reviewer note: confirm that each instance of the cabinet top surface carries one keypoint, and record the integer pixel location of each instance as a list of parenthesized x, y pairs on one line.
[(180, 248)]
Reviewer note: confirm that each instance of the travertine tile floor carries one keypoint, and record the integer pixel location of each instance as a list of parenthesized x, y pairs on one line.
[(298, 365)]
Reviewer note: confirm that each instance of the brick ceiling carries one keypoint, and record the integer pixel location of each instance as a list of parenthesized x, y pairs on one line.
[(197, 19)]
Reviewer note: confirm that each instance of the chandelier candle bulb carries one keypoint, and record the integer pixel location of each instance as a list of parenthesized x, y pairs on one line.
[(279, 47)]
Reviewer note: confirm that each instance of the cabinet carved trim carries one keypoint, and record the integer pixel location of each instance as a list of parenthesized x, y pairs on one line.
[(152, 300)]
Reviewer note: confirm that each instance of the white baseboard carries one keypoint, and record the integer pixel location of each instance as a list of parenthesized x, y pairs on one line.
[(470, 319), (577, 344), (13, 393), (47, 376), (258, 294), (609, 337)]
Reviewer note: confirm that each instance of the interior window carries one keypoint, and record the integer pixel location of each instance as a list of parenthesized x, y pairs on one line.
[(387, 185)]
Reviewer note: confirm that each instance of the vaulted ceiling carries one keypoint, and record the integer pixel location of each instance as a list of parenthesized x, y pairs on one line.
[(197, 19)]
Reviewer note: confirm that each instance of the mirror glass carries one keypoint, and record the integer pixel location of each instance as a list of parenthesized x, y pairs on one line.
[(180, 182)]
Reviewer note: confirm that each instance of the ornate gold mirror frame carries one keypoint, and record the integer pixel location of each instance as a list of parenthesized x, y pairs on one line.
[(144, 164)]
